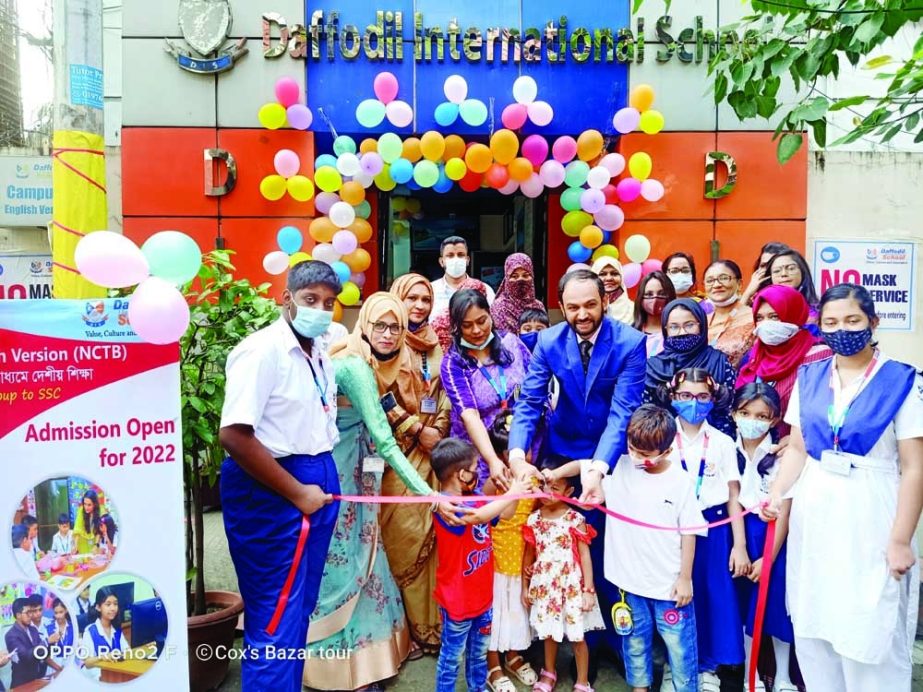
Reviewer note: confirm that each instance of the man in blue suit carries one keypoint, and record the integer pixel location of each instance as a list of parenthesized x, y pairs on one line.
[(600, 366)]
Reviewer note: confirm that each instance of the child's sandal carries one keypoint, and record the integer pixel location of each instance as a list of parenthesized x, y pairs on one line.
[(583, 688), (521, 671), (500, 684), (541, 685)]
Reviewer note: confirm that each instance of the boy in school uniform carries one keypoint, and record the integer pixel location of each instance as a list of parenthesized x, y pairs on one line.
[(63, 541), (22, 551), (31, 523)]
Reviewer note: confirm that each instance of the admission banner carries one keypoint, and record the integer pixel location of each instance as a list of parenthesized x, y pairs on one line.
[(92, 553), (25, 276)]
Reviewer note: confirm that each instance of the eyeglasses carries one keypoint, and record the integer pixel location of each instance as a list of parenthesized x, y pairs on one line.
[(653, 296), (723, 279), (678, 270), (382, 327), (785, 270), (689, 396), (687, 328)]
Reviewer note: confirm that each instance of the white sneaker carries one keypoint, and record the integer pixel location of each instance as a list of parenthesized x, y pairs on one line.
[(709, 682), (667, 684)]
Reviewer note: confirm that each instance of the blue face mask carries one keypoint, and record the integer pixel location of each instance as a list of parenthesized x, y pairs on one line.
[(847, 342), (310, 322), (530, 339), (476, 347), (694, 412), (684, 343)]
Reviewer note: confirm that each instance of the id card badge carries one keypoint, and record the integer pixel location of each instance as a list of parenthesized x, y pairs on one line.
[(428, 405), (832, 461), (621, 617), (373, 464)]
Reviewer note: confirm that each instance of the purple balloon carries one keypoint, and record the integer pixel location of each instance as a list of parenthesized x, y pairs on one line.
[(157, 311), (591, 201), (609, 218), (628, 189), (626, 120), (564, 149), (533, 186), (631, 274), (358, 279), (325, 200), (299, 116), (345, 242), (372, 163)]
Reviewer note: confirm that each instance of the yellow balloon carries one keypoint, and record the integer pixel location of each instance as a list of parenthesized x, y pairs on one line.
[(384, 181), (362, 229), (398, 203), (432, 145), (454, 147), (358, 260), (411, 149), (651, 122), (478, 158), (350, 294), (413, 205), (272, 116), (503, 145), (606, 251), (368, 145), (328, 179), (300, 188), (639, 165), (273, 187), (591, 236), (642, 97), (337, 312), (455, 168), (520, 169), (298, 258), (589, 145)]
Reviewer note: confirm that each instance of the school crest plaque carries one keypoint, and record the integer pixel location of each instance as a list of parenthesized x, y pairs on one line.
[(205, 25)]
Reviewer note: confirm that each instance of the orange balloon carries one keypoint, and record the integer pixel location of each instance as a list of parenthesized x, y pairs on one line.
[(358, 260), (411, 149), (478, 158), (520, 169), (432, 145), (368, 144), (322, 229), (454, 147), (352, 193), (362, 229), (503, 145), (589, 145), (337, 311), (642, 97)]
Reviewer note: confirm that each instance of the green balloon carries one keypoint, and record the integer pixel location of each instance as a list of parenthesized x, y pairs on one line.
[(426, 173), (570, 198), (390, 147), (575, 173), (363, 209), (473, 112), (172, 256), (574, 222), (370, 113), (344, 144)]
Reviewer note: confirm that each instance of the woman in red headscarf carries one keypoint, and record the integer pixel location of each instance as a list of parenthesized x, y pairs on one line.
[(516, 294), (783, 342)]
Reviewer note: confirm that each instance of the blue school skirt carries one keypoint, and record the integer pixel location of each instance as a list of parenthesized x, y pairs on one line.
[(776, 622), (717, 616)]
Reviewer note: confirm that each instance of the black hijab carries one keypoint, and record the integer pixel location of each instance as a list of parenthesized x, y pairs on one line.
[(662, 367)]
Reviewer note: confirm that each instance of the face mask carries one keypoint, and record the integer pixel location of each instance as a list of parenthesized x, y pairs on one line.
[(518, 289), (469, 485), (774, 333), (530, 339), (726, 302), (456, 267), (644, 463), (477, 347), (752, 429), (654, 306), (847, 342), (681, 282), (694, 412), (310, 322), (684, 343)]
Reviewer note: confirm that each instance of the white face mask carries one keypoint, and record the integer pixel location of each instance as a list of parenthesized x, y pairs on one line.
[(681, 282), (774, 332), (456, 267), (726, 302)]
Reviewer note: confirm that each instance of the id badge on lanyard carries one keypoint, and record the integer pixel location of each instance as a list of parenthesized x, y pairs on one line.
[(837, 422), (501, 387), (702, 463), (329, 411)]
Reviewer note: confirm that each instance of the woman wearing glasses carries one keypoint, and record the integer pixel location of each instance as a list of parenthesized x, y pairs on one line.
[(654, 293), (789, 268), (360, 607), (680, 269), (760, 279), (730, 326), (482, 373)]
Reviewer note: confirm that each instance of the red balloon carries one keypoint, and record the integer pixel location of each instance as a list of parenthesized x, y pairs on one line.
[(471, 181), (497, 176), (612, 196)]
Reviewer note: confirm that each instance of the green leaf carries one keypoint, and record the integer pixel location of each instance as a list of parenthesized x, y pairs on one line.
[(891, 133), (814, 109), (847, 102), (788, 146), (870, 28), (875, 63), (918, 138), (819, 128), (912, 121)]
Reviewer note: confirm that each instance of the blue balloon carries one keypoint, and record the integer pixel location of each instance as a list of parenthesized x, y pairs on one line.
[(578, 253), (325, 160), (446, 113), (413, 185), (607, 235), (289, 239), (443, 185), (342, 271), (401, 171)]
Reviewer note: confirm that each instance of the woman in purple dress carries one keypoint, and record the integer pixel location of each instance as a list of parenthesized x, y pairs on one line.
[(481, 373)]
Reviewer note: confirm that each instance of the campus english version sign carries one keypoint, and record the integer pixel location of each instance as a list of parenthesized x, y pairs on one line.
[(885, 268), (25, 276), (25, 190), (91, 501)]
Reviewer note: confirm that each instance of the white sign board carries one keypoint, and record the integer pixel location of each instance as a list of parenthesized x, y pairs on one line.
[(25, 190), (25, 276)]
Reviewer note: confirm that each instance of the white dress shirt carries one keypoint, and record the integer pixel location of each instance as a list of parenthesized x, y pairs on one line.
[(443, 292)]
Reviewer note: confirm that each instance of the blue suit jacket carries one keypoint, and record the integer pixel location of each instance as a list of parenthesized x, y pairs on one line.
[(592, 414)]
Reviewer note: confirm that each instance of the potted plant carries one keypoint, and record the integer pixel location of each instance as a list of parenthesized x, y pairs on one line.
[(223, 310)]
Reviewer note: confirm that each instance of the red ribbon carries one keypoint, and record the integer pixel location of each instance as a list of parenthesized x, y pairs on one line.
[(290, 579), (761, 598)]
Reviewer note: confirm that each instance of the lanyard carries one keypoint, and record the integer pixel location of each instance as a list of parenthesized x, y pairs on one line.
[(682, 460), (424, 368), (836, 423), (322, 391), (500, 388)]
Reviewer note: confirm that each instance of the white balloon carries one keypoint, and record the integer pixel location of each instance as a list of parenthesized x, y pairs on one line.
[(614, 163), (525, 90), (364, 179), (509, 188), (275, 263), (342, 214), (399, 113), (598, 177), (324, 252), (111, 260), (533, 186), (652, 190), (348, 164), (455, 89)]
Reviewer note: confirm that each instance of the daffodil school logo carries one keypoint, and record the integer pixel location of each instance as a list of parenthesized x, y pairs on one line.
[(94, 313), (830, 254), (205, 25)]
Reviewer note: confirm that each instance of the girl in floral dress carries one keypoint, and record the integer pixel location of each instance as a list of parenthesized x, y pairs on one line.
[(560, 593)]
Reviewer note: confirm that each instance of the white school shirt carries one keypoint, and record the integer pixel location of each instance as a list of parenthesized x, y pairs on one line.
[(62, 545), (270, 388), (26, 563), (90, 648), (720, 463), (442, 294), (754, 488), (642, 561)]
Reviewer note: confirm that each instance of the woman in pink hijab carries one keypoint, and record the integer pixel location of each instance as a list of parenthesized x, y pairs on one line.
[(516, 294)]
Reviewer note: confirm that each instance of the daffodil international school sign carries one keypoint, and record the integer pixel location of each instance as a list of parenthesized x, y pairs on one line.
[(25, 190)]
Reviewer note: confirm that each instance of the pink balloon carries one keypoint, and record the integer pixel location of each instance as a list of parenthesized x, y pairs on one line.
[(358, 279), (299, 116), (385, 87), (275, 263), (535, 148), (609, 218), (514, 116), (344, 242), (650, 265), (287, 91), (287, 163), (614, 163), (564, 149), (629, 189), (158, 312), (110, 260), (631, 274), (533, 186), (626, 120), (399, 113), (652, 190), (508, 189), (371, 163), (552, 173), (540, 113), (591, 201), (325, 200)]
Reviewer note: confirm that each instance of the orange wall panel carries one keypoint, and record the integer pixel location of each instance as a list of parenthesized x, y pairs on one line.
[(667, 237), (203, 230), (741, 240)]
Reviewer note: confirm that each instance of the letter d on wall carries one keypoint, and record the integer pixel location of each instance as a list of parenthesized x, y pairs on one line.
[(712, 160), (212, 158)]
